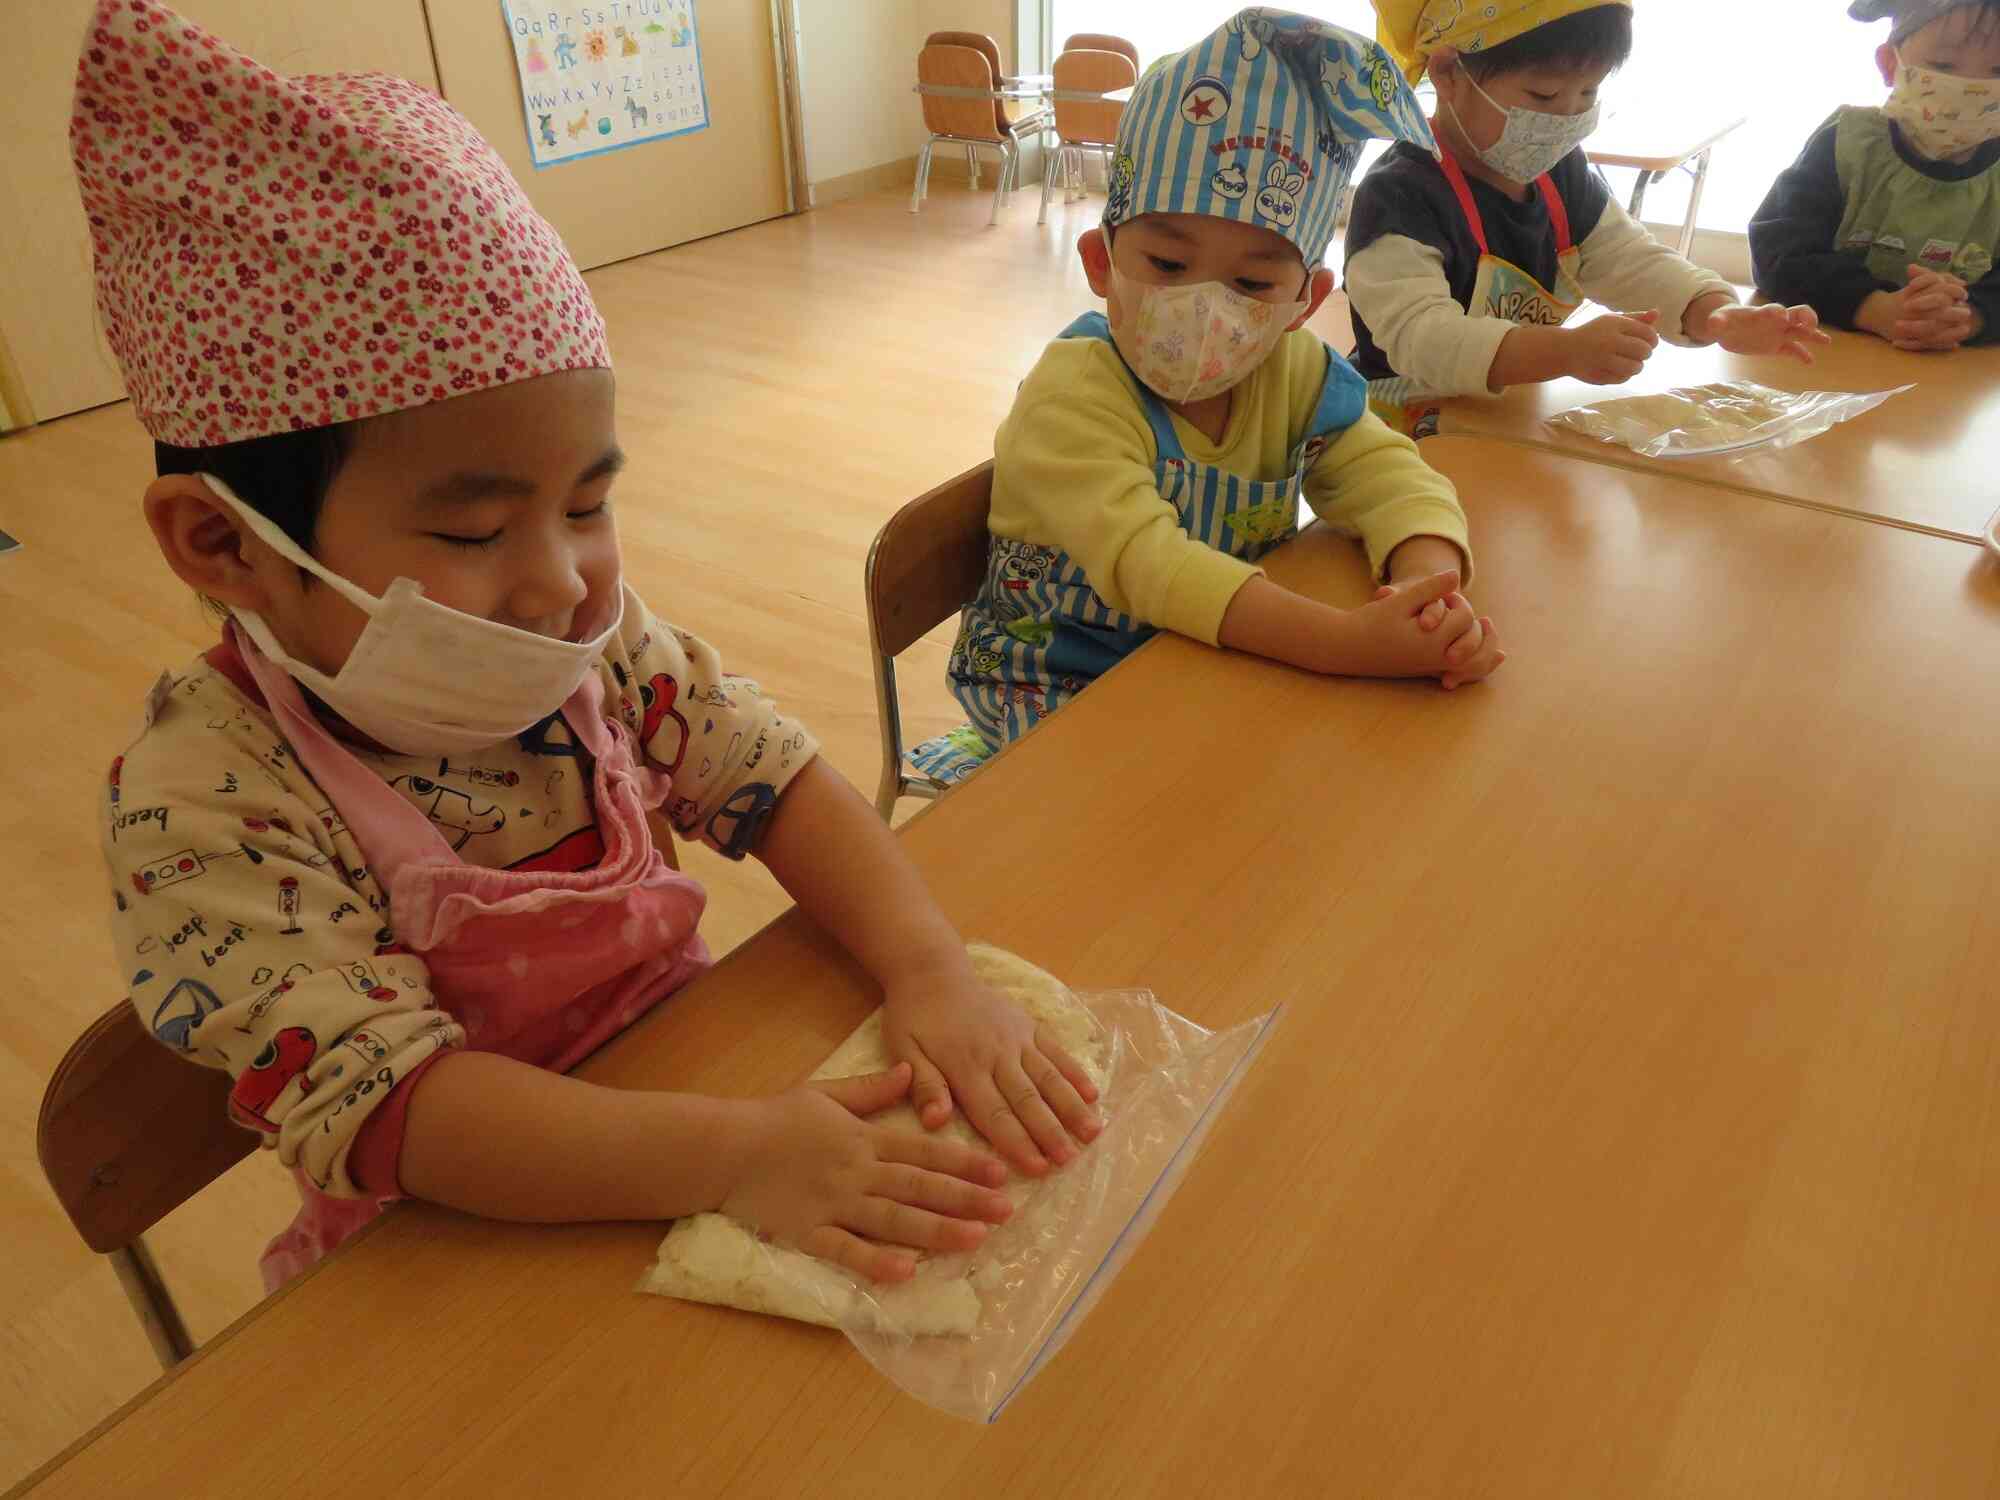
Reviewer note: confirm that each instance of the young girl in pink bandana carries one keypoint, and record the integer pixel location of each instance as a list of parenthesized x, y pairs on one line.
[(383, 854)]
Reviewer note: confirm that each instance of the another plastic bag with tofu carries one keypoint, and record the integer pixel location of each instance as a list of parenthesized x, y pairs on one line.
[(1731, 416), (968, 1331)]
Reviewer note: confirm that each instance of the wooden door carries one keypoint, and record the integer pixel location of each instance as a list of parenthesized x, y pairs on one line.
[(654, 193), (48, 313)]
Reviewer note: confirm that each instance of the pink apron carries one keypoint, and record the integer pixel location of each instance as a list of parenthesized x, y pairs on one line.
[(542, 966)]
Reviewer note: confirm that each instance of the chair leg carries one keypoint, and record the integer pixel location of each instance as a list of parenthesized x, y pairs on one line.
[(139, 1274), (923, 176), (999, 186), (1694, 204), (1050, 160), (972, 166)]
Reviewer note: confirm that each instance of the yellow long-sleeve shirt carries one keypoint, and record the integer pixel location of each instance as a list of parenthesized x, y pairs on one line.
[(1073, 469)]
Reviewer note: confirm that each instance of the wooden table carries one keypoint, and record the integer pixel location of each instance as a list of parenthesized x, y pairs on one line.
[(1928, 459), (1657, 144), (1635, 1129)]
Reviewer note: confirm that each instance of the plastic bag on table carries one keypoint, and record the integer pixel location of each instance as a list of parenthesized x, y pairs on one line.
[(1730, 416), (968, 1331)]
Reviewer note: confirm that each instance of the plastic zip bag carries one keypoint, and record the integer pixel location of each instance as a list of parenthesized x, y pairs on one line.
[(1038, 1275), (970, 1330), (1730, 416)]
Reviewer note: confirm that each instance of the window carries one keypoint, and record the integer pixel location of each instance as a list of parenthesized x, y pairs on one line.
[(1784, 63)]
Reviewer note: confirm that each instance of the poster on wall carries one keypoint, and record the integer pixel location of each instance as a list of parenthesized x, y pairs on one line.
[(597, 78)]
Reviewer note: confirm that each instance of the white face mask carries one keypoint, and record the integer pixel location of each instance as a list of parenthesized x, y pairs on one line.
[(1531, 142), (1941, 114), (425, 679), (1192, 342)]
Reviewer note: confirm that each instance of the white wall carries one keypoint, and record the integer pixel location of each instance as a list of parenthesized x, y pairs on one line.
[(858, 61)]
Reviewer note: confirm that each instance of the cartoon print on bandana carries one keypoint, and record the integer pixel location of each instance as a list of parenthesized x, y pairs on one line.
[(1278, 199), (1205, 101), (1119, 201), (453, 812), (1231, 182)]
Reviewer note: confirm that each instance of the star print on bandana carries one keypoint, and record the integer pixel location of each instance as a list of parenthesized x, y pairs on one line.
[(1205, 102), (278, 253)]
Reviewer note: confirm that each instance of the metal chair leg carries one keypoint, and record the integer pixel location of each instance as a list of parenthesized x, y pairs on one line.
[(999, 185), (972, 166), (139, 1274), (923, 176), (1694, 204), (1049, 161)]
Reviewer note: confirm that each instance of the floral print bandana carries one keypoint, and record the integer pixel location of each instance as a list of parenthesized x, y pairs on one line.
[(278, 253)]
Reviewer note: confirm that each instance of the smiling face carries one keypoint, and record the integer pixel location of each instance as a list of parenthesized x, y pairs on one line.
[(496, 502)]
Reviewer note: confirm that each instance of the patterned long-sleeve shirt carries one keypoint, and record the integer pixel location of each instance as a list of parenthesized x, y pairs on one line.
[(246, 913)]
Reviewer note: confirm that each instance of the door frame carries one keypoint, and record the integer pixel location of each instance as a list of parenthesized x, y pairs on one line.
[(785, 54)]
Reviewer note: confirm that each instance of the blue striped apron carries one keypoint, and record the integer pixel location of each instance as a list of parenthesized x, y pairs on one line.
[(1037, 633)]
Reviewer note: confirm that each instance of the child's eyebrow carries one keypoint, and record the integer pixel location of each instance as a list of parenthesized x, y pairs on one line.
[(468, 486), (1273, 253)]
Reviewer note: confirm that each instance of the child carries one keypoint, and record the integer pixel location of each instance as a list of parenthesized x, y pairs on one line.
[(1152, 456), (383, 853), (1888, 220), (1463, 269)]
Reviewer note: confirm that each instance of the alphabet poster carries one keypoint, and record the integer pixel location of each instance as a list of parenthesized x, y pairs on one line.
[(596, 78)]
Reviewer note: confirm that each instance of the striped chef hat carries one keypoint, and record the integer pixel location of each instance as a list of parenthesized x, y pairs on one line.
[(1262, 122)]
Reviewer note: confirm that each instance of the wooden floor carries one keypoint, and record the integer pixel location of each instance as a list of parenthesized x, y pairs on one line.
[(781, 391)]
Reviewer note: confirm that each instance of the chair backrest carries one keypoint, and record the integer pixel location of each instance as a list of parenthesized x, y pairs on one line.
[(965, 115), (1084, 72), (129, 1131), (1103, 41), (928, 561), (978, 41)]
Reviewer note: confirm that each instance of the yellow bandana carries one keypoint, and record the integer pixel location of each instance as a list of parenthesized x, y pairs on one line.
[(1412, 30)]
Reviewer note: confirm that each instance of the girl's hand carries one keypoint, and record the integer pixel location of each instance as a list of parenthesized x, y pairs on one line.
[(1015, 1086), (816, 1175), (1771, 329)]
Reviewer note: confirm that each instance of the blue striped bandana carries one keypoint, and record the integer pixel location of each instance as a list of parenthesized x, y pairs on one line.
[(1262, 123)]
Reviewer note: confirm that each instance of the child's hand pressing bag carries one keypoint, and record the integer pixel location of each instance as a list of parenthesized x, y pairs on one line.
[(969, 1330)]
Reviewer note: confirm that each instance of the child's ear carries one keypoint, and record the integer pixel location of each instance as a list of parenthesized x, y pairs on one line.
[(1888, 62), (1316, 293), (203, 542), (1095, 252)]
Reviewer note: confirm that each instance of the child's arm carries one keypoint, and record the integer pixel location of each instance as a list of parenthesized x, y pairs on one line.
[(1398, 287), (1621, 265), (835, 856), (1792, 251), (749, 780), (499, 1138), (1372, 484)]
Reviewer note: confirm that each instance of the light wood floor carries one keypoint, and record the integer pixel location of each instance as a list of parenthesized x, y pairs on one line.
[(781, 391)]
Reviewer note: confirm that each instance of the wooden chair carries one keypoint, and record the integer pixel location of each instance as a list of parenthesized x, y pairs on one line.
[(926, 565), (959, 83), (1103, 41), (1084, 122), (128, 1133)]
